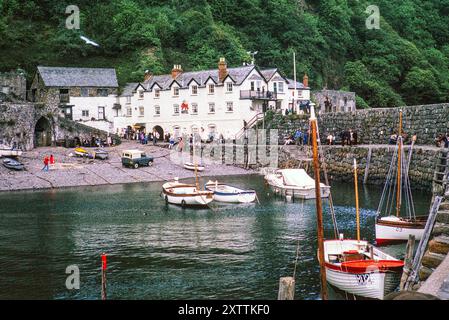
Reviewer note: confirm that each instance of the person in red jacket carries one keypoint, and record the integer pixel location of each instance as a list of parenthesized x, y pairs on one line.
[(52, 159), (46, 161)]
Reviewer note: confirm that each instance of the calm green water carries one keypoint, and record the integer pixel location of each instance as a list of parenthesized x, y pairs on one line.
[(159, 252)]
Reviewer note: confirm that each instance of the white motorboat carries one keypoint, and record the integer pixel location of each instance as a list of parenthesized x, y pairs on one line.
[(361, 269), (186, 194), (296, 183), (191, 166), (226, 193)]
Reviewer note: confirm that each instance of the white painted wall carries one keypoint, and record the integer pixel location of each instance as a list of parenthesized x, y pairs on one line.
[(92, 104)]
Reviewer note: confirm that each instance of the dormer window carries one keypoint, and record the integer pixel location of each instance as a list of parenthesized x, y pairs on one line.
[(141, 92), (194, 89), (175, 91), (211, 89), (157, 93), (229, 87), (128, 100)]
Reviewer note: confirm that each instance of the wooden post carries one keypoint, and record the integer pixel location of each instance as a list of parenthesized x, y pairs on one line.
[(399, 179), (357, 211), (319, 212), (103, 276), (286, 288), (408, 260)]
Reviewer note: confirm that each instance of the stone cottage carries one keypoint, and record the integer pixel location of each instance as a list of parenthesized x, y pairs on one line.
[(13, 85), (84, 95)]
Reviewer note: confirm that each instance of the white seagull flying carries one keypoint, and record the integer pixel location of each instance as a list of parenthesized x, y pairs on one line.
[(88, 41)]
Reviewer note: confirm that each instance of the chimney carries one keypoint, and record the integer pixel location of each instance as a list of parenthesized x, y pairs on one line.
[(305, 80), (177, 70), (148, 75), (222, 69)]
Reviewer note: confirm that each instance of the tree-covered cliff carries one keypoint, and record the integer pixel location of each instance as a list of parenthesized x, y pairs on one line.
[(406, 61)]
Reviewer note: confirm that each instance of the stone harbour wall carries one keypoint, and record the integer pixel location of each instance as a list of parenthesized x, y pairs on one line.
[(373, 126), (340, 161)]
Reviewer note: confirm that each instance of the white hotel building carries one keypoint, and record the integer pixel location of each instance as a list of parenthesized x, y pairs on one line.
[(219, 100)]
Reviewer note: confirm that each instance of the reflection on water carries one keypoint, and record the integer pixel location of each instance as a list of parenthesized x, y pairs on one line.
[(160, 252)]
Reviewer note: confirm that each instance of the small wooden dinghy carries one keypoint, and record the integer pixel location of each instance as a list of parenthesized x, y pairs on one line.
[(186, 194), (230, 194), (191, 166), (13, 164), (361, 269), (100, 154)]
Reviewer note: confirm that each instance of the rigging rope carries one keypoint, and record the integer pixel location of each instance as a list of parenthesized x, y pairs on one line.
[(297, 246)]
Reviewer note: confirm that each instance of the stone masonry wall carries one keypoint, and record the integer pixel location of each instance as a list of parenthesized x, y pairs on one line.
[(340, 160), (374, 126)]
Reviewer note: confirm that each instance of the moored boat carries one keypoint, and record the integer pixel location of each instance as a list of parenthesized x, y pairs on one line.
[(100, 154), (296, 183), (191, 166), (6, 151), (13, 164), (361, 269), (230, 194), (392, 225), (186, 194), (81, 152)]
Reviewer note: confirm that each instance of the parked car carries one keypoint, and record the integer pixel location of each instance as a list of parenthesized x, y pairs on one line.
[(136, 159)]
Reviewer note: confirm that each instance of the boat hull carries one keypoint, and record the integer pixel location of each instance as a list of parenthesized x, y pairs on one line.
[(300, 193), (186, 195), (390, 232), (230, 194), (373, 285), (10, 153), (191, 167)]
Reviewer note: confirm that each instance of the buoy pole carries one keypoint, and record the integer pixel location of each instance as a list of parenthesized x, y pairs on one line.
[(103, 276), (319, 210)]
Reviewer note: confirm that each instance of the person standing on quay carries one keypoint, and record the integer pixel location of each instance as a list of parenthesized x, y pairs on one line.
[(46, 161)]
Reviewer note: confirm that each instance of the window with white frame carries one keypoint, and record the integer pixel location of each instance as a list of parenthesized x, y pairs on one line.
[(211, 107), (176, 109), (229, 87), (157, 93), (275, 87), (175, 91), (229, 106), (194, 108), (85, 113), (281, 87), (128, 100), (252, 86), (141, 92), (211, 89), (141, 111), (157, 110), (194, 89), (129, 112)]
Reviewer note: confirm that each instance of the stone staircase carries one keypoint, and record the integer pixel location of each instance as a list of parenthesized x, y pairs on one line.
[(438, 247)]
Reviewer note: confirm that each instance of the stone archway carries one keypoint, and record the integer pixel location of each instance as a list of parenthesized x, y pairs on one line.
[(42, 133), (160, 131)]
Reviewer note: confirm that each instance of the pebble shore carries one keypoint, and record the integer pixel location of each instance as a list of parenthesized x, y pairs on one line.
[(71, 171)]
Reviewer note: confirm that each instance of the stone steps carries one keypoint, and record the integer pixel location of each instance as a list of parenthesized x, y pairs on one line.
[(443, 216), (433, 260)]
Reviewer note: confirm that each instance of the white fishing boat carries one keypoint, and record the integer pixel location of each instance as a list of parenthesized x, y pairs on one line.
[(186, 194), (227, 193), (395, 222), (191, 166), (13, 164), (296, 183), (358, 268)]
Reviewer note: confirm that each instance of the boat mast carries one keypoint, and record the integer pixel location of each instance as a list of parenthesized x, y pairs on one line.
[(399, 178), (357, 200), (319, 212)]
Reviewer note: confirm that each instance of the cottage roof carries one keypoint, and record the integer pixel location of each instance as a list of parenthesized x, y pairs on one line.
[(129, 89), (268, 73), (299, 85), (78, 77), (238, 75)]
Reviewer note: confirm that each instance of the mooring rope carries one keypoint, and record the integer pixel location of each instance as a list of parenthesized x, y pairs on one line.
[(297, 245)]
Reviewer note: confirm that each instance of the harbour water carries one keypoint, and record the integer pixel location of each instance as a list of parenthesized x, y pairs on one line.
[(164, 252)]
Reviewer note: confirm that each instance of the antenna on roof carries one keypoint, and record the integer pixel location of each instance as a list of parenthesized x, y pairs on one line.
[(252, 54)]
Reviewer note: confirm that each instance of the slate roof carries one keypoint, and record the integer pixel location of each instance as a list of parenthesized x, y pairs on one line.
[(78, 77), (268, 73), (129, 89), (299, 85), (238, 75)]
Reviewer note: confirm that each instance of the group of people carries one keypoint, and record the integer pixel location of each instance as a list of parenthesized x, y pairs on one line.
[(97, 142), (47, 162), (299, 138), (442, 141)]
